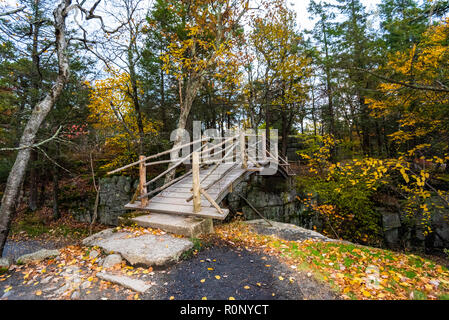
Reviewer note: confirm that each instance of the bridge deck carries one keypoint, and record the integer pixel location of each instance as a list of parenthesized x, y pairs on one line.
[(173, 199)]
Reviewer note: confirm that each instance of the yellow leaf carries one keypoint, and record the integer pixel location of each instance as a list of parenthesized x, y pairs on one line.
[(210, 269), (246, 287), (172, 298), (202, 280), (38, 292), (231, 298), (281, 278), (404, 175), (217, 277), (366, 293), (204, 298)]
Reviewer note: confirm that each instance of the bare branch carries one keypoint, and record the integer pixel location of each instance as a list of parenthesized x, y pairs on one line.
[(405, 84), (8, 13), (37, 145)]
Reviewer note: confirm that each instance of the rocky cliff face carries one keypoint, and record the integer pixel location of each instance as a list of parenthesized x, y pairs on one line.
[(275, 199), (115, 192)]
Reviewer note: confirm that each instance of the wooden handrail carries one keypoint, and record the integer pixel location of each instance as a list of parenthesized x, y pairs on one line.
[(174, 166), (246, 154), (218, 145), (216, 166), (196, 182), (215, 181), (223, 150), (157, 155), (165, 186)]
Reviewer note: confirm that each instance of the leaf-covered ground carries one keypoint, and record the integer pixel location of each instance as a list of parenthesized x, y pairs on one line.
[(249, 266), (211, 270), (358, 272)]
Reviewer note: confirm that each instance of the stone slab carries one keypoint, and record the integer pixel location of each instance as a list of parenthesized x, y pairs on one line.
[(127, 282), (147, 250), (37, 256), (286, 231), (186, 226), (5, 263)]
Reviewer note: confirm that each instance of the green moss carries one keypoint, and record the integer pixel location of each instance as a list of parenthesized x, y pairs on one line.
[(418, 295), (125, 220), (197, 246)]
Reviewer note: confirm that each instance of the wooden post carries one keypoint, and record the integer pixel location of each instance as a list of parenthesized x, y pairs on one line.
[(263, 149), (143, 181), (243, 150), (196, 182)]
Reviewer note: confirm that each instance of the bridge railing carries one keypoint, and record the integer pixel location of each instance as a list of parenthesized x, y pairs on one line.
[(204, 155)]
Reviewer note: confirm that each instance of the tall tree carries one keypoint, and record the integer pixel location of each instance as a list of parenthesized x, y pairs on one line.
[(205, 37)]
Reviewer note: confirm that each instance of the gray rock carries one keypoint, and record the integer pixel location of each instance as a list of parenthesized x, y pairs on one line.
[(62, 289), (148, 250), (93, 254), (115, 193), (85, 285), (75, 295), (130, 283), (46, 280), (6, 294), (390, 221), (98, 236), (286, 231), (111, 260), (37, 256), (5, 263)]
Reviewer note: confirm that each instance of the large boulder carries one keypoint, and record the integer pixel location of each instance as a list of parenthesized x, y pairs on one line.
[(37, 256), (111, 260), (146, 250), (5, 263), (127, 282), (115, 192)]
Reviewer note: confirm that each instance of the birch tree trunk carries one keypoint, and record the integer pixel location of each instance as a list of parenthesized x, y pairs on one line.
[(37, 117), (191, 91)]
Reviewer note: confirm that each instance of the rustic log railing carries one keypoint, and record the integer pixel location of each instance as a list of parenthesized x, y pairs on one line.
[(223, 152)]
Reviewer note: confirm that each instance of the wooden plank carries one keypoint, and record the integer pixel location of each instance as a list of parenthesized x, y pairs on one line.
[(179, 201), (143, 181), (196, 182), (243, 151), (211, 201), (206, 212), (227, 178), (225, 190)]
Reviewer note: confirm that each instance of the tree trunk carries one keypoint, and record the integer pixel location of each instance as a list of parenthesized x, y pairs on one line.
[(56, 213), (36, 80), (35, 121), (191, 91), (32, 200)]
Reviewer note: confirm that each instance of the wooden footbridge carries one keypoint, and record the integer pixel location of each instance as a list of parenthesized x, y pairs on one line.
[(215, 170)]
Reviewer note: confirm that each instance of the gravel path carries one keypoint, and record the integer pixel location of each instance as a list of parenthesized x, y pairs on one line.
[(15, 249), (243, 275)]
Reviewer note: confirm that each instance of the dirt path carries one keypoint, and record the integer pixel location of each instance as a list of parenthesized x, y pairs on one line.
[(16, 248), (218, 272), (243, 275)]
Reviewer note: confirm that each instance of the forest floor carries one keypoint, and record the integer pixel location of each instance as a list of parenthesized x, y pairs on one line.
[(235, 263), (220, 271)]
